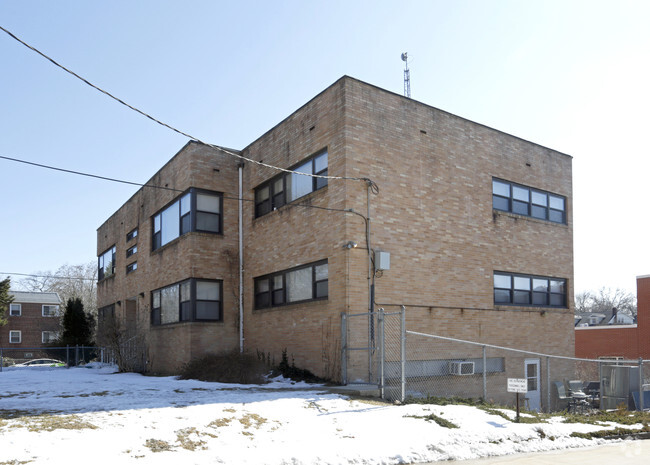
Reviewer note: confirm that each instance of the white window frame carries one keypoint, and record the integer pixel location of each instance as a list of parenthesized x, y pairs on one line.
[(20, 337), (12, 309), (55, 313), (52, 336)]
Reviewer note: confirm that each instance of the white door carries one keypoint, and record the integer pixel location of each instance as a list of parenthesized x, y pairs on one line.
[(532, 378)]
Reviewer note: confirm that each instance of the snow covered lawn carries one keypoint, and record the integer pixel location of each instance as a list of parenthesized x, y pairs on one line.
[(94, 415)]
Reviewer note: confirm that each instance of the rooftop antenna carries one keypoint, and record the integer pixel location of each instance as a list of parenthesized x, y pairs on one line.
[(407, 75)]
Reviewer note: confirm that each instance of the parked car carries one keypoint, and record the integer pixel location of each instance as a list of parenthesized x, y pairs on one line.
[(41, 362)]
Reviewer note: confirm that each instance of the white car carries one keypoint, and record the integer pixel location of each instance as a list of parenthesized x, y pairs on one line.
[(41, 362)]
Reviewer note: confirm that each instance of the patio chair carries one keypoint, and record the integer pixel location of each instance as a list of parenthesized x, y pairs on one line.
[(561, 400)]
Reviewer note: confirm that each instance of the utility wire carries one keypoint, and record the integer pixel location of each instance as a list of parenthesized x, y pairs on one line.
[(48, 276), (88, 174), (178, 131), (226, 195)]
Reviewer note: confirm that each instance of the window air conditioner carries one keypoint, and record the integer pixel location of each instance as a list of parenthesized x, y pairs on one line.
[(461, 368)]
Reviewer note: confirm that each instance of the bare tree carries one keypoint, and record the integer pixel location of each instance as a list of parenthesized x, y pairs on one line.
[(604, 300), (69, 281)]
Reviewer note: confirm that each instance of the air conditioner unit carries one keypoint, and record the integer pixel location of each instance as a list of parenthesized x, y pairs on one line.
[(461, 368)]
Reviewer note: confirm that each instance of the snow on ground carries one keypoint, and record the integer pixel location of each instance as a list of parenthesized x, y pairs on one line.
[(82, 415)]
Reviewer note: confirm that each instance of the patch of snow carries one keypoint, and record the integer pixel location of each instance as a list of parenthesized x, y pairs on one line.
[(59, 415)]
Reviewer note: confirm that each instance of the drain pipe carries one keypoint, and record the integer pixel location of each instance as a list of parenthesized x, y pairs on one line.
[(241, 258)]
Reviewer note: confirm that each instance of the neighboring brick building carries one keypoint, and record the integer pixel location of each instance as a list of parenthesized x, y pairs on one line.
[(477, 222), (32, 320), (617, 341)]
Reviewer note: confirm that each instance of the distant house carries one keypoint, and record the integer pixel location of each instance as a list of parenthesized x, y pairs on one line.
[(614, 334), (613, 317), (33, 320)]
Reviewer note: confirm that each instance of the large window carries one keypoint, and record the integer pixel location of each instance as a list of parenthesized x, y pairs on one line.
[(520, 289), (195, 210), (106, 264), (189, 300), (15, 309), (288, 187), (515, 198), (308, 282)]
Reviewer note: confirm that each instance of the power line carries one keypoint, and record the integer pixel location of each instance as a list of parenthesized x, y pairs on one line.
[(88, 174), (225, 195), (48, 276), (178, 131)]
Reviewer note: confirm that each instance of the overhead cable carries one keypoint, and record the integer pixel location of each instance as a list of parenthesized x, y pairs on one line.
[(88, 174), (72, 278), (178, 131)]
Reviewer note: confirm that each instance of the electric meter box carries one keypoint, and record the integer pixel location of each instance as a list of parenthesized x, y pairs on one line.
[(382, 260)]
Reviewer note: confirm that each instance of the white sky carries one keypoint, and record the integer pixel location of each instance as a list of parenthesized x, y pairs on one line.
[(569, 75)]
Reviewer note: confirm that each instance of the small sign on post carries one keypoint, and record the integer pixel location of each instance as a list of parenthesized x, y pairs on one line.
[(517, 385)]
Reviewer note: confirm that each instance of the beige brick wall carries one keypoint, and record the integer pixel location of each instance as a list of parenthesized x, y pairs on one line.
[(193, 255), (433, 213)]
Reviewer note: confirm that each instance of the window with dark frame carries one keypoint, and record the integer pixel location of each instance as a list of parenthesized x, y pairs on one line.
[(189, 300), (300, 284), (132, 234), (106, 313), (527, 201), (131, 251), (287, 187), (106, 264), (196, 210), (529, 290), (131, 267)]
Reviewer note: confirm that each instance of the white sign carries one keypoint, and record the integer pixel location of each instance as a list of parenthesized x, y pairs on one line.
[(517, 385)]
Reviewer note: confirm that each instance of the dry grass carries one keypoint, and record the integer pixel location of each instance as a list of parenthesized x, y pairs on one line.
[(184, 439), (51, 423), (157, 445)]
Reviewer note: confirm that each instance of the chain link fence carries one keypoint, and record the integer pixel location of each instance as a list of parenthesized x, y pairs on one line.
[(379, 349), (70, 355)]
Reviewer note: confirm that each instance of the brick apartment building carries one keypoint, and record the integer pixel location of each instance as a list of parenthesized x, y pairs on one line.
[(619, 341), (478, 225), (32, 320)]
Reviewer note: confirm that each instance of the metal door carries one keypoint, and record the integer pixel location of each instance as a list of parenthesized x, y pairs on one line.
[(531, 371)]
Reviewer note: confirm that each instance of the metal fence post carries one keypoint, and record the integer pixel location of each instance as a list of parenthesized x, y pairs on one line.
[(641, 384), (67, 355), (344, 349), (403, 351), (2, 362), (600, 389), (382, 352), (485, 373), (548, 384)]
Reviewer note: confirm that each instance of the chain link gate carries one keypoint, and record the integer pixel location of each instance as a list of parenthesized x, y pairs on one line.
[(373, 351)]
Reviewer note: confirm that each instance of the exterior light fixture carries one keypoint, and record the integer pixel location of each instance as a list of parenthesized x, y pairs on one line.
[(350, 245)]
